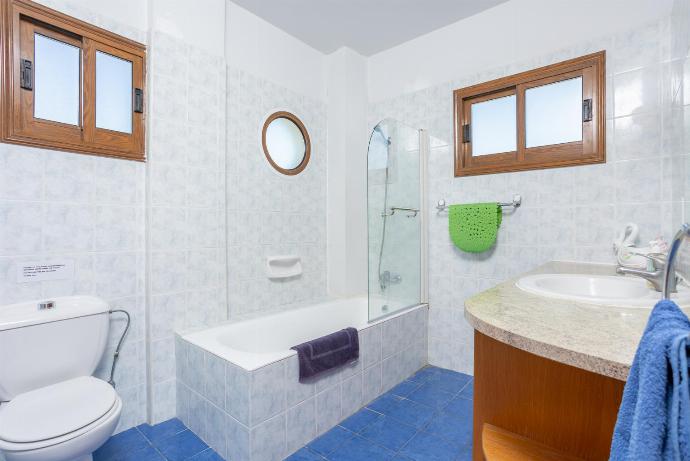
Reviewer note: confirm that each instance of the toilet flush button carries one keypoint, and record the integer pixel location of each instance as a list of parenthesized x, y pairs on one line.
[(46, 305)]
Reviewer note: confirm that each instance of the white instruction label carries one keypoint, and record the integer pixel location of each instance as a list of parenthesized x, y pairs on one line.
[(45, 270)]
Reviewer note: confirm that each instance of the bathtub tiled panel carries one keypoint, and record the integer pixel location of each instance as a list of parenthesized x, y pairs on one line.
[(267, 414), (567, 213)]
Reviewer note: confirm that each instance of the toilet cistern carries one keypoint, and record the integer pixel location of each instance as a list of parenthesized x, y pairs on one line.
[(53, 408)]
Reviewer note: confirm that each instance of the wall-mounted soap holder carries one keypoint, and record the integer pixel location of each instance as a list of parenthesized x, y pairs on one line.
[(282, 267)]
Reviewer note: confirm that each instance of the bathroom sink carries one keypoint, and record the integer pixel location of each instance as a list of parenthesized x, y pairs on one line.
[(598, 289)]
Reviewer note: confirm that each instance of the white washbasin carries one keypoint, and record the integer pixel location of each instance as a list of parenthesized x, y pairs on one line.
[(598, 289)]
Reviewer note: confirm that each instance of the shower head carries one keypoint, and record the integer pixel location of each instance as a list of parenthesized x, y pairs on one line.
[(379, 130)]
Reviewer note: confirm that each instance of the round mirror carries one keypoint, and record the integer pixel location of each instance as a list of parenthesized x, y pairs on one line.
[(286, 143)]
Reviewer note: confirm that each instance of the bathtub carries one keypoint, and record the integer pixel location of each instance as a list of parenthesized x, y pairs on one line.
[(237, 384), (254, 343)]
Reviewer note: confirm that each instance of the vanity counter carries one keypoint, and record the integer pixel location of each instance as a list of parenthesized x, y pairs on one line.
[(600, 339)]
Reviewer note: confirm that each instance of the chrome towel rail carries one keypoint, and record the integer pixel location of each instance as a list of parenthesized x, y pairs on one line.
[(670, 275), (517, 201)]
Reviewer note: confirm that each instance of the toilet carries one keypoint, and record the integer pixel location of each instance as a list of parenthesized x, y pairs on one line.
[(51, 408)]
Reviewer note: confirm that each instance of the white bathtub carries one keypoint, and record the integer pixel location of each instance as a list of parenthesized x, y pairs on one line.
[(254, 343)]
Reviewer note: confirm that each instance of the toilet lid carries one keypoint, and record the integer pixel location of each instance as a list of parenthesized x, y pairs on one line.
[(55, 410)]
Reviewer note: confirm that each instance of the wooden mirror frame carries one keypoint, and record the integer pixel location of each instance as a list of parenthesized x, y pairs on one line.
[(307, 142)]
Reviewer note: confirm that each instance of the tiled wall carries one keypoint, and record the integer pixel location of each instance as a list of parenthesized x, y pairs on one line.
[(271, 214), (570, 213), (267, 414), (185, 205), (89, 210), (148, 238)]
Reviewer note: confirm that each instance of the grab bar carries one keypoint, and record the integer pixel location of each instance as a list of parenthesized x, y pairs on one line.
[(517, 201), (670, 274)]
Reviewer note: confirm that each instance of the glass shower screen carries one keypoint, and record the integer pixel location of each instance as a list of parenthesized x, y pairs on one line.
[(394, 218)]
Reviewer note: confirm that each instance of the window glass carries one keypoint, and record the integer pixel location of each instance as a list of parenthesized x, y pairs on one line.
[(285, 143), (494, 126), (113, 93), (553, 113), (57, 80)]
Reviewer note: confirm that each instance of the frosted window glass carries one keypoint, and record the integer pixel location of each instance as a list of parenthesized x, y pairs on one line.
[(285, 143), (113, 93), (553, 113), (494, 126), (57, 82)]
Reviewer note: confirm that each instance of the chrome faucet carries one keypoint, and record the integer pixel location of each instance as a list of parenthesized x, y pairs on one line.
[(654, 276), (387, 278)]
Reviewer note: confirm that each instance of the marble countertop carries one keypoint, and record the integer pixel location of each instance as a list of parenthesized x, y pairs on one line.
[(600, 339)]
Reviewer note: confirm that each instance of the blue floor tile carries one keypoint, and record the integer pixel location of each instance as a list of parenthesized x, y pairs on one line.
[(130, 440), (454, 428), (412, 413), (360, 420), (405, 388), (450, 382), (305, 454), (162, 430), (431, 396), (182, 446), (206, 455), (330, 441), (428, 447), (389, 433), (468, 391), (460, 406), (147, 453), (360, 449), (385, 403)]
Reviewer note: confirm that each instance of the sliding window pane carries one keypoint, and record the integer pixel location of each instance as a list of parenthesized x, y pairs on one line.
[(494, 126), (113, 93), (553, 113), (57, 80)]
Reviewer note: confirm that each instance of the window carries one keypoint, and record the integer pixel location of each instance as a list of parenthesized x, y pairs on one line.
[(545, 118), (68, 85), (286, 143)]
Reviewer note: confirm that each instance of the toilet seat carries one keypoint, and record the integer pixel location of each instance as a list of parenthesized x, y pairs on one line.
[(55, 410), (87, 437)]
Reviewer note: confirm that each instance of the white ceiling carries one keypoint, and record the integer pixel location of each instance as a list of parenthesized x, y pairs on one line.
[(367, 26)]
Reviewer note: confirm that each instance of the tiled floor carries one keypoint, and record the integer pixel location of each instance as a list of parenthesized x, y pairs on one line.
[(169, 440), (426, 418)]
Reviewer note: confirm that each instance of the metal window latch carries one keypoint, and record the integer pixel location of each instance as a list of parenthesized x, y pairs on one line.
[(466, 133), (587, 110), (26, 75), (138, 100)]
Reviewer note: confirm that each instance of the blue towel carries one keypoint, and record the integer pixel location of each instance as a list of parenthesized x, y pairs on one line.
[(654, 416)]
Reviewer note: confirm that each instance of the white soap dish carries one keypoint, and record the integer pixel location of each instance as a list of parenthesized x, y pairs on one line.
[(282, 267)]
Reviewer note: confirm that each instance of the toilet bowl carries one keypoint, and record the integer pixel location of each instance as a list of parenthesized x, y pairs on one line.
[(66, 421), (52, 408)]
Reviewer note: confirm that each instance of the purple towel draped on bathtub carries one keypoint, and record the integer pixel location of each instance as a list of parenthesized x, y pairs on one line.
[(327, 352)]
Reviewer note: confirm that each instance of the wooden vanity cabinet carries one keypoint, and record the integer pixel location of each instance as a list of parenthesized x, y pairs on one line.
[(570, 410)]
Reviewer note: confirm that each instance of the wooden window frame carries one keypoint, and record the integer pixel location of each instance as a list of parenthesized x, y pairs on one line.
[(592, 148), (305, 134), (20, 19)]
